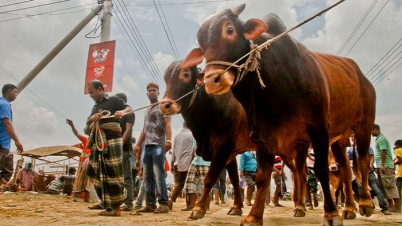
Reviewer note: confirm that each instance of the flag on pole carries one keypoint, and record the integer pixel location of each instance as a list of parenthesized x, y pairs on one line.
[(100, 64)]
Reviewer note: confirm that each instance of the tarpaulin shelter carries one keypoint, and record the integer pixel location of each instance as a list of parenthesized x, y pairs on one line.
[(63, 152)]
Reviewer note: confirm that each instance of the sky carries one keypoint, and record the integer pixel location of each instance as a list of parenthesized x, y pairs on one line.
[(57, 92)]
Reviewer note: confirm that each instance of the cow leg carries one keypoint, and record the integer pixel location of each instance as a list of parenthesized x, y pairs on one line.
[(300, 182), (265, 162), (213, 173), (362, 139), (346, 176), (234, 179), (320, 141), (292, 168)]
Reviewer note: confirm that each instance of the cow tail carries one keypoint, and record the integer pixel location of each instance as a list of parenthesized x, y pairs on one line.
[(356, 170)]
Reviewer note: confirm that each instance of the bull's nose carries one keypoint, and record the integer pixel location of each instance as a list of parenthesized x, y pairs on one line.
[(218, 81), (164, 106)]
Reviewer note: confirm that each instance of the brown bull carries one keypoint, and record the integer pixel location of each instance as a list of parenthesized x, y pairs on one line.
[(308, 97), (40, 182), (217, 141)]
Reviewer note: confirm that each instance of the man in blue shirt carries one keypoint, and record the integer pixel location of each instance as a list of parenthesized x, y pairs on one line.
[(7, 133), (248, 168)]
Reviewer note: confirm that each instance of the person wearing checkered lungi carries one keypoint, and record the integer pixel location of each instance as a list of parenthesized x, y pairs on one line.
[(105, 166), (196, 174)]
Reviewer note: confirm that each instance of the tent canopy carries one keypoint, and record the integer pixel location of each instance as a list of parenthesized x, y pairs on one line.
[(59, 150)]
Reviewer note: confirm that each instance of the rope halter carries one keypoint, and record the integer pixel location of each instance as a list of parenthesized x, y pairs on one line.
[(251, 64)]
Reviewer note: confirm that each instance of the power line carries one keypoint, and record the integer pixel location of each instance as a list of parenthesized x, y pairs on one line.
[(373, 69), (388, 73), (17, 80), (16, 3), (367, 27), (36, 6), (357, 27), (174, 47), (44, 13), (137, 52), (141, 45), (383, 74), (183, 3)]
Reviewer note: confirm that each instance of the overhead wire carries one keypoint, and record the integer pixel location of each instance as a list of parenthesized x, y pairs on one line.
[(183, 3), (382, 74), (387, 75), (141, 44), (46, 13), (375, 67), (357, 27), (137, 52), (16, 3), (167, 29), (37, 96), (367, 28), (35, 6), (157, 76)]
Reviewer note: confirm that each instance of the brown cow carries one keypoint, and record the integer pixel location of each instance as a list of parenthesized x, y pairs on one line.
[(217, 141), (308, 97), (41, 181)]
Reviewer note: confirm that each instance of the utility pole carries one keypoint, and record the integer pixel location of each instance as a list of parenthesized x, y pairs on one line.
[(56, 50), (106, 21)]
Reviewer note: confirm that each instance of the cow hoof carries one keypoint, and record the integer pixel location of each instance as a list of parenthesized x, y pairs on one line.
[(197, 214), (336, 221), (366, 211), (347, 214), (235, 212), (250, 221), (299, 213)]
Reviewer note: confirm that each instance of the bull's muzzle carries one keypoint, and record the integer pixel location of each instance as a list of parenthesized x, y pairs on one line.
[(217, 81), (169, 107)]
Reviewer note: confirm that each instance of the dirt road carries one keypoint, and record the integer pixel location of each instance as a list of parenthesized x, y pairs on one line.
[(22, 209)]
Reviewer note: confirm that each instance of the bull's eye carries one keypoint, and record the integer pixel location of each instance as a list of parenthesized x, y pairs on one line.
[(186, 75), (230, 31)]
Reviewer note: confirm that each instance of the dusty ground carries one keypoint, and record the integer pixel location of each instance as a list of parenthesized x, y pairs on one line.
[(39, 209)]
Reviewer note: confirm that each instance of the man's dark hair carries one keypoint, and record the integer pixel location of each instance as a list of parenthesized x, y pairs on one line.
[(398, 142), (96, 84), (7, 87), (377, 127), (71, 170), (122, 96)]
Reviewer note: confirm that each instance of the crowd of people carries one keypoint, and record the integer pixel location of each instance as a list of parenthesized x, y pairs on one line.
[(122, 170)]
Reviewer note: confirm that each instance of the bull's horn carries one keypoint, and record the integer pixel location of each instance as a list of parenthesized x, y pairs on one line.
[(239, 9)]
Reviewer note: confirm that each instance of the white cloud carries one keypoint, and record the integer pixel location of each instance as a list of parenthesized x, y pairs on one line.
[(35, 126)]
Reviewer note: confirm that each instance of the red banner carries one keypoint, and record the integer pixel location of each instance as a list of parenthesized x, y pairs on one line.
[(100, 64)]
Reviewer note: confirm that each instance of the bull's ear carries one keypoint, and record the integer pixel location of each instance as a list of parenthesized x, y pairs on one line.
[(253, 28), (194, 58), (200, 77), (239, 9)]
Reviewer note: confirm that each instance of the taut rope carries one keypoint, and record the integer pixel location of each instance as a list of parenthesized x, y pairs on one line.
[(251, 64)]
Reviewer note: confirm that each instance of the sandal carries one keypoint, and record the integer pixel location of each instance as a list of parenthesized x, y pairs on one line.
[(146, 209), (95, 207), (162, 209), (125, 208), (110, 213)]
